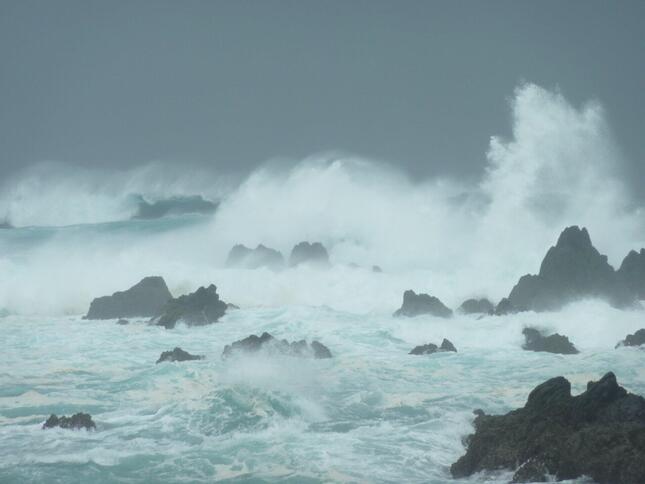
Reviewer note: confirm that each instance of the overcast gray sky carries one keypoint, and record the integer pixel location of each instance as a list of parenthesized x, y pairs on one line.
[(420, 84)]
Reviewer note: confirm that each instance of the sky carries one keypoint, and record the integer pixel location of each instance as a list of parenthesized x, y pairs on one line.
[(230, 84)]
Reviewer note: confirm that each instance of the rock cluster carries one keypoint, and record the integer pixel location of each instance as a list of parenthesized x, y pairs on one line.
[(76, 421), (430, 348), (599, 433), (195, 309), (416, 304), (266, 342), (178, 355), (144, 299), (553, 343)]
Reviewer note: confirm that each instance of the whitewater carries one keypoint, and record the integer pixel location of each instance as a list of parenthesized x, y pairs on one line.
[(372, 413)]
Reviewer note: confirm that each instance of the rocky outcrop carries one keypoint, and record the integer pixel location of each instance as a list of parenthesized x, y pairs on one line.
[(430, 348), (571, 270), (178, 355), (636, 339), (195, 309), (75, 422), (123, 322), (144, 299), (477, 306), (245, 258), (632, 272), (599, 433), (266, 342), (554, 343), (313, 254), (416, 304)]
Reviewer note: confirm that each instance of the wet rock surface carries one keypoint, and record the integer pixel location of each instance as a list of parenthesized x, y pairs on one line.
[(632, 272), (144, 299), (430, 348), (313, 254), (416, 304), (266, 342), (636, 339), (599, 433), (553, 343), (75, 422), (262, 256), (178, 355), (477, 306), (571, 270), (195, 309)]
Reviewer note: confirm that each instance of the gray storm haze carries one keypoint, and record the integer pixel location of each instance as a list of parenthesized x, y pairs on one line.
[(422, 85)]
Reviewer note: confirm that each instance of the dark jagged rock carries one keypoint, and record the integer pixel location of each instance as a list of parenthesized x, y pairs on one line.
[(571, 270), (416, 304), (178, 355), (504, 307), (76, 421), (430, 348), (231, 306), (173, 206), (123, 322), (306, 253), (195, 309), (636, 339), (266, 342), (477, 306), (144, 299), (599, 433), (261, 256), (632, 272), (554, 343)]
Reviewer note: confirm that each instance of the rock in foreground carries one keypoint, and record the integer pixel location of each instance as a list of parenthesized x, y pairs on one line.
[(144, 299), (178, 355), (195, 309), (76, 421), (599, 433), (306, 253), (636, 339), (266, 342), (243, 257), (554, 343), (477, 306), (417, 304), (430, 348)]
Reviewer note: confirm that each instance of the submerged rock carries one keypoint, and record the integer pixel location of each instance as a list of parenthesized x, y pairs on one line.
[(599, 433), (195, 309), (123, 322), (306, 253), (477, 306), (243, 257), (76, 421), (415, 304), (178, 355), (632, 272), (377, 269), (554, 343), (636, 339), (571, 270), (266, 342), (430, 348), (144, 299)]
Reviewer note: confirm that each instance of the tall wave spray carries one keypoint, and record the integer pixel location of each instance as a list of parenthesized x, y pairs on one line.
[(441, 235)]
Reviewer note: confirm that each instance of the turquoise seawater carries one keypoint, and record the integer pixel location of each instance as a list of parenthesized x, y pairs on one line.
[(372, 413)]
